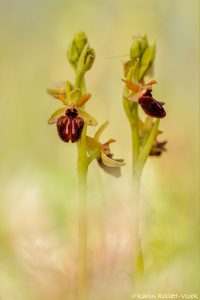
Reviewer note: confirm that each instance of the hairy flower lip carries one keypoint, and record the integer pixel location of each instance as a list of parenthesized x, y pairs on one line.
[(70, 127)]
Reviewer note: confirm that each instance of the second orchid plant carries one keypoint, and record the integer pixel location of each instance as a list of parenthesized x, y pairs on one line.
[(138, 94)]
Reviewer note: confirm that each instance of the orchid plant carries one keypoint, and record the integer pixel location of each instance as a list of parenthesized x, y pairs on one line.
[(138, 94), (71, 121)]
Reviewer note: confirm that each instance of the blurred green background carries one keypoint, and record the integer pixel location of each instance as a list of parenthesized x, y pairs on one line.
[(38, 172)]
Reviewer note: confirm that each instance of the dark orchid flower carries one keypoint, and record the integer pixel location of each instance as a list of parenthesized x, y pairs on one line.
[(70, 119), (142, 94)]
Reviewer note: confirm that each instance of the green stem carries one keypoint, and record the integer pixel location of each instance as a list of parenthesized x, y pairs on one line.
[(94, 156), (131, 110), (82, 176), (137, 262), (135, 135), (79, 82), (144, 153), (138, 265)]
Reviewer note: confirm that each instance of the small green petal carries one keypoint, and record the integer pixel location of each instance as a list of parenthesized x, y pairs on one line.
[(111, 162), (147, 60), (100, 130), (57, 114), (87, 117)]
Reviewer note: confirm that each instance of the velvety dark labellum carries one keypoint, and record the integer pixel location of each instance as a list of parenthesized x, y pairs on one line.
[(70, 126), (152, 107)]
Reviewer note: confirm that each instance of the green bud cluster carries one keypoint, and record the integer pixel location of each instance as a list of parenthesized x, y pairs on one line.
[(141, 57), (79, 53)]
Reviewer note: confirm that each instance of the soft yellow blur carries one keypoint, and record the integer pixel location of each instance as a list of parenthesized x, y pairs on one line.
[(38, 208)]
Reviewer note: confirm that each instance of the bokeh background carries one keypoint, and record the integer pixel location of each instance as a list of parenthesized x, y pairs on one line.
[(38, 196)]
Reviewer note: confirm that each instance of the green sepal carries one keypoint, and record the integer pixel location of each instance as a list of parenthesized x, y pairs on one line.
[(87, 117), (57, 114)]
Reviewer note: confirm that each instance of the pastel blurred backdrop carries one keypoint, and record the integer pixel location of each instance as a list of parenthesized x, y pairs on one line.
[(38, 197)]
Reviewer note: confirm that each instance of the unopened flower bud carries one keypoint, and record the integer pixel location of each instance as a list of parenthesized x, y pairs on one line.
[(146, 61), (86, 59), (138, 47), (143, 43), (72, 54), (80, 40), (135, 50), (76, 47), (89, 59)]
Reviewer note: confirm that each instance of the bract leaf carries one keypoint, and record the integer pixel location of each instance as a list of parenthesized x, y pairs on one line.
[(100, 130)]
